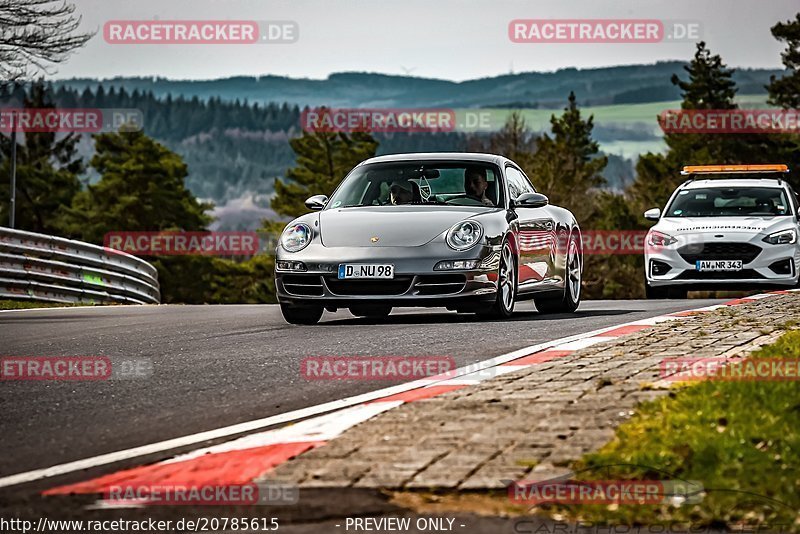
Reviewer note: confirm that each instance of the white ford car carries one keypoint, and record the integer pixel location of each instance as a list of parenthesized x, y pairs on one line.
[(726, 227)]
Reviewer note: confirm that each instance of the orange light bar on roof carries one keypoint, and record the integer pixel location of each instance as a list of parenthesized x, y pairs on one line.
[(727, 169)]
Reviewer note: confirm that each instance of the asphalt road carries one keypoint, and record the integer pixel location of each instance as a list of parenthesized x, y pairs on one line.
[(215, 366)]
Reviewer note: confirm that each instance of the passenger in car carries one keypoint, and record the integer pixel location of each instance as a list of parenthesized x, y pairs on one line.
[(401, 192)]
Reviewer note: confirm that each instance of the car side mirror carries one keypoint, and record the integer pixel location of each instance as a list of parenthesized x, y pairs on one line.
[(530, 200), (653, 214), (317, 202)]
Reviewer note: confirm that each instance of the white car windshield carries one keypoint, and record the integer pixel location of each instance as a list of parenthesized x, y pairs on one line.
[(420, 183), (730, 202)]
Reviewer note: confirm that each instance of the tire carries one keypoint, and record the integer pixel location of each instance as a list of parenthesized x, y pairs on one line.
[(306, 315), (371, 312), (571, 298), (503, 306)]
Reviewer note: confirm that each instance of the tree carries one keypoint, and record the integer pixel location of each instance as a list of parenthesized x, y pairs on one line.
[(514, 141), (709, 86), (785, 91), (323, 159), (141, 188), (47, 172), (567, 166), (36, 33), (613, 276)]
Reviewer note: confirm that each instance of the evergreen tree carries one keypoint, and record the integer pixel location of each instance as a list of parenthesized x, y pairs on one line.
[(323, 159), (613, 276), (514, 141), (709, 86), (141, 189), (47, 171), (567, 166), (785, 91)]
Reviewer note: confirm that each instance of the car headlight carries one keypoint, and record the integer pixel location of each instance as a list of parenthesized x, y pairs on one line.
[(296, 237), (464, 235), (784, 237), (659, 239)]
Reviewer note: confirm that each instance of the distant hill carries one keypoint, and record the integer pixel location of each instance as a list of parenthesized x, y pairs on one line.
[(233, 133), (629, 84)]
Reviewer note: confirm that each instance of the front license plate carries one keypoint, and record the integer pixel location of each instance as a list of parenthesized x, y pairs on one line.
[(363, 270), (718, 265)]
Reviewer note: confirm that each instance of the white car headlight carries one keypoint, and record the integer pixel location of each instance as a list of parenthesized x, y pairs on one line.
[(296, 237), (659, 239), (464, 235), (784, 237)]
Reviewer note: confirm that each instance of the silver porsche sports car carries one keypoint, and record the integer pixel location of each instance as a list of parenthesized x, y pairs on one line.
[(464, 231)]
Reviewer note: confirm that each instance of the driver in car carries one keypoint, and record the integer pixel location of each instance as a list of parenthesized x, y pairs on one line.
[(401, 192), (475, 185)]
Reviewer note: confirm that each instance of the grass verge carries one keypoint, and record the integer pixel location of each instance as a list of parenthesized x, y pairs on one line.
[(740, 439), (25, 304)]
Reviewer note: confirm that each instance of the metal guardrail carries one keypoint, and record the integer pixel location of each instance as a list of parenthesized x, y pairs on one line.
[(47, 268)]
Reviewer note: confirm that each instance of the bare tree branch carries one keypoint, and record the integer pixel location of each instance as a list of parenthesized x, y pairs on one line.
[(34, 34)]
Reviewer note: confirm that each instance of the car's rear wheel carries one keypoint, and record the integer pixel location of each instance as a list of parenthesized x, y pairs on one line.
[(371, 312), (301, 314), (503, 306), (571, 298)]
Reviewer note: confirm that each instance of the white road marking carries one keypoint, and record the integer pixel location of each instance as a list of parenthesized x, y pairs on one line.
[(322, 428), (583, 343), (295, 415)]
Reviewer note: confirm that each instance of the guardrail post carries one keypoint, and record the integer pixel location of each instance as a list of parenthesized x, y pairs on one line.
[(13, 199)]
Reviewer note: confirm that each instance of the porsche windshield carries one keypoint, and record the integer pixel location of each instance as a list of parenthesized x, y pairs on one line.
[(730, 202), (391, 184)]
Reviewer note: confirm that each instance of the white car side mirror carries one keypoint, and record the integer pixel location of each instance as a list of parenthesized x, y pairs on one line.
[(653, 214)]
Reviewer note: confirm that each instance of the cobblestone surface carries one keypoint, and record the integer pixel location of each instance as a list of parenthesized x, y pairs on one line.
[(533, 422)]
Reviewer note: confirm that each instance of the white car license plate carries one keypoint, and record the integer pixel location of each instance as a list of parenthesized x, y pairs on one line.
[(718, 265), (366, 270)]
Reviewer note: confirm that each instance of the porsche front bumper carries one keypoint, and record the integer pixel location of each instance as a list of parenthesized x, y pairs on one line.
[(415, 282)]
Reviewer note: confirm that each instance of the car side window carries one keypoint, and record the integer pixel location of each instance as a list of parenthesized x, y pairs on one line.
[(528, 182), (518, 184), (795, 197)]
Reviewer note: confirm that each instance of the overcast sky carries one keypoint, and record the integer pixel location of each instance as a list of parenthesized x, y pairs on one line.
[(451, 39)]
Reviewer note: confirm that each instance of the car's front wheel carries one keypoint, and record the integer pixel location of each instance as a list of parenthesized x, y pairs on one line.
[(571, 297), (301, 314), (503, 306)]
